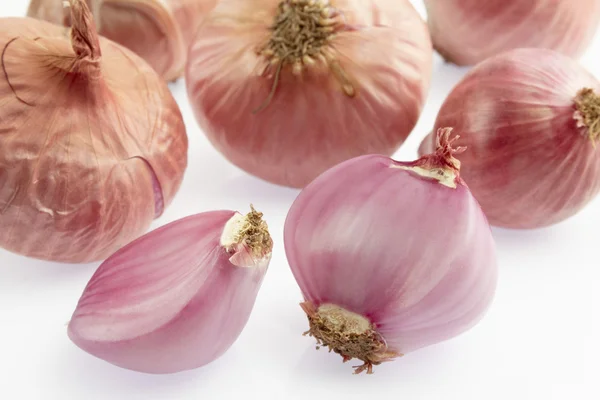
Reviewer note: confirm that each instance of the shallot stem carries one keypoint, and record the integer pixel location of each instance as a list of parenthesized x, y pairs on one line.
[(84, 37)]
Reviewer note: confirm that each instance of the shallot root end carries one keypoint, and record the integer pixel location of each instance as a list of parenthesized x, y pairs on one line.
[(587, 115), (348, 334), (299, 36)]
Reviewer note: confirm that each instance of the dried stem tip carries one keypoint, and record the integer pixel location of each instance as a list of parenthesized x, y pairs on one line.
[(588, 112), (84, 37), (440, 165), (347, 334)]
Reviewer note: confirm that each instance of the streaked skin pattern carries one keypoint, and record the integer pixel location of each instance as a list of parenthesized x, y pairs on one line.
[(527, 163), (170, 301), (466, 32), (310, 124), (159, 31), (92, 147), (415, 257)]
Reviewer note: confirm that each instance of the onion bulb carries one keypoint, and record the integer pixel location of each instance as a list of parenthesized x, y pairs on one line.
[(469, 31), (159, 31), (531, 120), (288, 88), (92, 144), (390, 256)]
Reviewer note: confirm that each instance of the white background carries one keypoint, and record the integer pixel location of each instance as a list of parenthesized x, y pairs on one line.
[(540, 339)]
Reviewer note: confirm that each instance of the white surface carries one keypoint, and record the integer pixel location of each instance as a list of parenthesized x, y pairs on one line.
[(540, 340)]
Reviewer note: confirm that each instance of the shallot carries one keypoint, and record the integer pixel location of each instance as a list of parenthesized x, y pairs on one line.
[(159, 31), (390, 256), (288, 88), (469, 31), (92, 144), (530, 119), (178, 297)]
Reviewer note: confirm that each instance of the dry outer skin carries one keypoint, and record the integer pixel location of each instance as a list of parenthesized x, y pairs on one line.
[(81, 136), (159, 31)]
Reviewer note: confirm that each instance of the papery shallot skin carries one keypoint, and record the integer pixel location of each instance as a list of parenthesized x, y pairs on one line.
[(414, 257), (159, 31), (467, 32), (170, 301), (92, 145), (366, 100), (528, 162)]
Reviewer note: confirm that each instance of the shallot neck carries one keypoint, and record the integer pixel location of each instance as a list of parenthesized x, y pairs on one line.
[(300, 37), (587, 115), (348, 334), (84, 38), (441, 165)]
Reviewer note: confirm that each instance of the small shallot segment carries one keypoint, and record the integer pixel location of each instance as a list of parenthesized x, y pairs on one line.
[(178, 297), (159, 31), (390, 256), (92, 144), (469, 31), (286, 89), (531, 121)]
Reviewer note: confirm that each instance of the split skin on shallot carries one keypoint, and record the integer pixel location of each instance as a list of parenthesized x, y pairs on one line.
[(178, 297), (391, 256)]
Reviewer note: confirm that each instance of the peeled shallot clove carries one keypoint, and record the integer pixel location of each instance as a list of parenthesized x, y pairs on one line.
[(178, 297), (390, 256)]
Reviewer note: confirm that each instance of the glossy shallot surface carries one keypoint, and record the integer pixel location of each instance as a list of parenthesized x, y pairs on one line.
[(390, 256), (176, 298), (469, 31), (531, 121)]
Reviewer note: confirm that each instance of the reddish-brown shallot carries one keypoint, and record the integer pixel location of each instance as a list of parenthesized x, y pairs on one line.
[(466, 32), (531, 120), (92, 144), (288, 88), (178, 297), (159, 31), (390, 256)]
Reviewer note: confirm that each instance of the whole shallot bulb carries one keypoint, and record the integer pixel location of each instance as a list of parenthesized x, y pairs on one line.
[(92, 144), (159, 31), (469, 31), (530, 119), (288, 88), (390, 256), (178, 297)]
